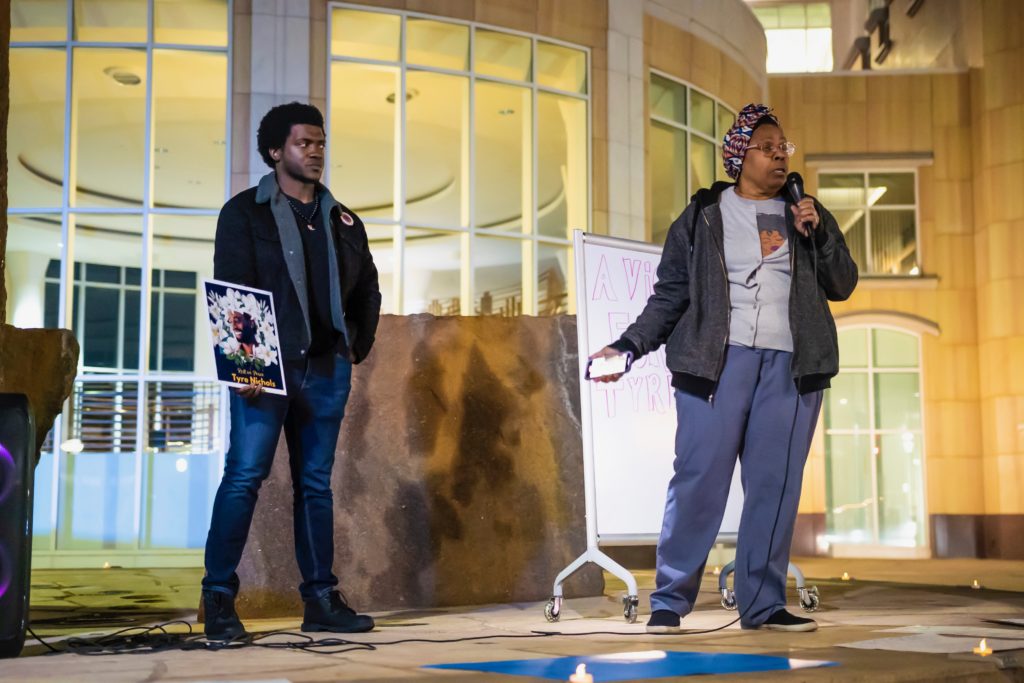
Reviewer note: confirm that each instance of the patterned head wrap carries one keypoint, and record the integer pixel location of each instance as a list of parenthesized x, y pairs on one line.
[(734, 144)]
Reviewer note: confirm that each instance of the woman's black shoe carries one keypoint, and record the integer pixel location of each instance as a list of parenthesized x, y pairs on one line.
[(330, 613)]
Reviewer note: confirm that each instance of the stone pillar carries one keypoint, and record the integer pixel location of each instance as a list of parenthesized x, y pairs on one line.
[(998, 111)]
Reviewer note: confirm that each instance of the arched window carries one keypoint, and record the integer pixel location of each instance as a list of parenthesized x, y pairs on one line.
[(874, 454)]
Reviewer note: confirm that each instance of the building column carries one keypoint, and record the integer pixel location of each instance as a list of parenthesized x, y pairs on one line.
[(998, 109), (271, 53), (626, 122)]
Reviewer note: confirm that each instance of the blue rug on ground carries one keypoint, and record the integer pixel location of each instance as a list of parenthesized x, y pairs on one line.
[(626, 666)]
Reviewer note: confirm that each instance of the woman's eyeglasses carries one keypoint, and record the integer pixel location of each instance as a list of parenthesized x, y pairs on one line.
[(769, 148)]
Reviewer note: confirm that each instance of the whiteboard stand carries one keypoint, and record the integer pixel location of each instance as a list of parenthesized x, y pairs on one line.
[(631, 601)]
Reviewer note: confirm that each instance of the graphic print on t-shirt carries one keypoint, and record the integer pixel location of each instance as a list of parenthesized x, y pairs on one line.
[(771, 228)]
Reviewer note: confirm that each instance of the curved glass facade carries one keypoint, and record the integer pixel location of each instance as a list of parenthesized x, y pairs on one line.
[(465, 150)]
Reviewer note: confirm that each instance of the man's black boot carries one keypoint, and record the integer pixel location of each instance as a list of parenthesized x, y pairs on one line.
[(222, 622), (330, 613)]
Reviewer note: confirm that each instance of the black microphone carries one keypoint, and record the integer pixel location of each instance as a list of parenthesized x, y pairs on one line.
[(795, 188)]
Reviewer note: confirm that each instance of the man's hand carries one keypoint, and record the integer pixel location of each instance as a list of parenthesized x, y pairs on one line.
[(249, 392), (607, 352), (804, 212)]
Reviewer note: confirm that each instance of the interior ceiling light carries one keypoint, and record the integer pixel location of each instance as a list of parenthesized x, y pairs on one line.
[(506, 112), (122, 75), (409, 94)]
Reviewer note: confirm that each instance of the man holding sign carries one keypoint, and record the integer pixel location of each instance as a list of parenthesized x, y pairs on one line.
[(740, 303), (290, 237)]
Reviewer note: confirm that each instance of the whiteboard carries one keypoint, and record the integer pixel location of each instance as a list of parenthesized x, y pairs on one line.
[(628, 426)]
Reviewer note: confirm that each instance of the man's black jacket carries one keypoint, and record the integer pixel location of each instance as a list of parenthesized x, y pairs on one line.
[(258, 245)]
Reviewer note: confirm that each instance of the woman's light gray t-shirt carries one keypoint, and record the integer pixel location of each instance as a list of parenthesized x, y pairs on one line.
[(757, 260)]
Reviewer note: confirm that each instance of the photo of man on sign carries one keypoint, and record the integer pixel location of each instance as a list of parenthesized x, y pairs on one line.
[(245, 343)]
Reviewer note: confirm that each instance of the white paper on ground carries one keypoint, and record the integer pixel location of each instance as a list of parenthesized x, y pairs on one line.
[(932, 643), (976, 631)]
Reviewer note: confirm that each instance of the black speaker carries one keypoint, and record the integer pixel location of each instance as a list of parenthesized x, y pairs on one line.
[(17, 454)]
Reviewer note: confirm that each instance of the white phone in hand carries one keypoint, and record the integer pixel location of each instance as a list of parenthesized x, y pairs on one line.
[(604, 366)]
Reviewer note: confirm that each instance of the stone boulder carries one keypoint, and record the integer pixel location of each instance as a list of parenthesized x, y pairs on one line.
[(42, 365), (458, 478)]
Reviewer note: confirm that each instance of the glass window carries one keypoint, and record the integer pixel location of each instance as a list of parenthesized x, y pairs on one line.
[(437, 150), (109, 106), (853, 348), (562, 165), (503, 147), (189, 128), (668, 99), (35, 154), (97, 481), (502, 55), (111, 21), (382, 240), (437, 43), (38, 21), (471, 190), (177, 342), (850, 515), (668, 177), (367, 35), (873, 441), (432, 272), (799, 36), (703, 158), (562, 68), (33, 270), (106, 306), (847, 406), (498, 271), (191, 22), (181, 465), (702, 113), (878, 216), (119, 305), (554, 279), (723, 122), (685, 140), (362, 137)]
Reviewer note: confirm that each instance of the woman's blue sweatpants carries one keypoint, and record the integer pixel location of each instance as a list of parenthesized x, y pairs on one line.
[(755, 414)]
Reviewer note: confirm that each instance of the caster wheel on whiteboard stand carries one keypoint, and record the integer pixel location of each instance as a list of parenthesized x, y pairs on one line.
[(728, 599), (630, 603), (809, 599), (553, 610)]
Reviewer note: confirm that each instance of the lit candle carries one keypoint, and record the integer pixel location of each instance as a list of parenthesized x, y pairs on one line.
[(846, 576), (581, 675), (717, 571), (983, 649), (975, 585)]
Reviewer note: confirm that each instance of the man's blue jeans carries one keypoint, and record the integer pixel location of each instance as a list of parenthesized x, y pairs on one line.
[(311, 414)]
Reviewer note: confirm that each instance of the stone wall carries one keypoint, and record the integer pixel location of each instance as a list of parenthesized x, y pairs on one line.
[(458, 477)]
